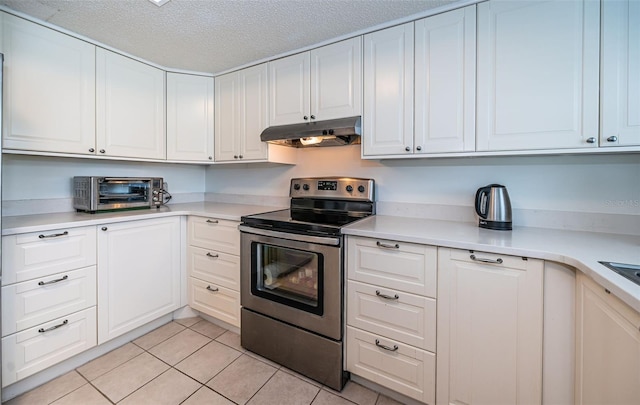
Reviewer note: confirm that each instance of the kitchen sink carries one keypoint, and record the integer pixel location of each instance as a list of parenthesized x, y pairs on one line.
[(630, 271)]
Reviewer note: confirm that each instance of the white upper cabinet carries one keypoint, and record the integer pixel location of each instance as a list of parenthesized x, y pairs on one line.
[(537, 75), (620, 86), (387, 126), (324, 83), (241, 114), (49, 89), (130, 107), (445, 85), (189, 117)]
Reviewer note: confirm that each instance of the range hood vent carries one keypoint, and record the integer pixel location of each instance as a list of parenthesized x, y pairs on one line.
[(338, 132)]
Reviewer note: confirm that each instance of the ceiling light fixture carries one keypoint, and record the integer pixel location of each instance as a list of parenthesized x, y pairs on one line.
[(159, 2)]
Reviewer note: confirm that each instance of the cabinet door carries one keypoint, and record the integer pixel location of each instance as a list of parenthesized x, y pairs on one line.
[(388, 92), (130, 107), (49, 89), (289, 84), (138, 274), (189, 117), (445, 82), (489, 330), (607, 347), (254, 101), (538, 74), (336, 80), (227, 118), (620, 87)]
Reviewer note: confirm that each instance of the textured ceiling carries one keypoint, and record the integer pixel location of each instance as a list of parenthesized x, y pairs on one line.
[(216, 35)]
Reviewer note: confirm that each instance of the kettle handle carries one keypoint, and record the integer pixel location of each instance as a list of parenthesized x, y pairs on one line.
[(482, 191)]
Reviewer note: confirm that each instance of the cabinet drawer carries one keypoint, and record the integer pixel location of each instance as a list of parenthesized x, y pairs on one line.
[(215, 267), (27, 352), (408, 318), (221, 303), (39, 254), (215, 234), (399, 265), (407, 370), (31, 303)]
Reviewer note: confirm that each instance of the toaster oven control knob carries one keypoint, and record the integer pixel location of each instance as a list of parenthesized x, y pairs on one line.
[(155, 192), (155, 199), (349, 188), (305, 187), (296, 186), (361, 188)]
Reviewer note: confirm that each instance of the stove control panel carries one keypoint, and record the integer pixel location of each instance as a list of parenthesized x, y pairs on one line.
[(338, 188)]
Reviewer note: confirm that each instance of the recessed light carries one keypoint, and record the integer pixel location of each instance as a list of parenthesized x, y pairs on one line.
[(159, 2)]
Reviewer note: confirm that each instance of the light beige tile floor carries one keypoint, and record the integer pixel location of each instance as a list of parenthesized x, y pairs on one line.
[(191, 362)]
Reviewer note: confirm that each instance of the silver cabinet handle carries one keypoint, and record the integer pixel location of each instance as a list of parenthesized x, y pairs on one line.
[(418, 148), (480, 259), (212, 221), (210, 157), (212, 255), (102, 151), (591, 140), (53, 235), (385, 347), (387, 297), (104, 228), (612, 139), (53, 281), (313, 117), (305, 118), (41, 330), (212, 289), (387, 246), (235, 156), (91, 150), (408, 149)]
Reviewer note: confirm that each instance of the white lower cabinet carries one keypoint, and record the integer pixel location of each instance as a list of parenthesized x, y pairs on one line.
[(490, 323), (139, 266), (607, 347)]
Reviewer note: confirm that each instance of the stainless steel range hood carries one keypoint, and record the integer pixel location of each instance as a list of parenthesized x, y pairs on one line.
[(338, 132)]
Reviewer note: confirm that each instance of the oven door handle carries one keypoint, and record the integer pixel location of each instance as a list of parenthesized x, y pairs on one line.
[(291, 236)]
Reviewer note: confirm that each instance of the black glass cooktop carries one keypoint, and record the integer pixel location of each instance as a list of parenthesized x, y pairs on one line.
[(303, 221)]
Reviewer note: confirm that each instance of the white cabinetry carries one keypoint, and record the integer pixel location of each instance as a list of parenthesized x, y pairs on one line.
[(607, 347), (391, 315), (537, 75), (48, 299), (189, 117), (139, 266), (490, 318), (130, 113), (241, 115), (213, 263), (322, 84), (49, 89), (620, 86)]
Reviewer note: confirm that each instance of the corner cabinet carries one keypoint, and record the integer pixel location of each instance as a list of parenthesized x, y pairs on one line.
[(139, 267), (322, 84), (49, 89), (607, 347), (189, 117), (538, 75), (489, 331), (130, 111)]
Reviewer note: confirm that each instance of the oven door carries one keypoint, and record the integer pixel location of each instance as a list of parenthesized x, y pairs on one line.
[(118, 193), (293, 280)]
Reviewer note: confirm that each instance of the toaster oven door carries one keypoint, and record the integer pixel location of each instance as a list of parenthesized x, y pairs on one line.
[(120, 193)]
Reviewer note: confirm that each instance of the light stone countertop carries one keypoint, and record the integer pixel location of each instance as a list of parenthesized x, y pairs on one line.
[(581, 250)]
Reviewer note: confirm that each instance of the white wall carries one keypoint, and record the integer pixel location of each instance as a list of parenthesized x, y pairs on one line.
[(584, 183), (36, 177)]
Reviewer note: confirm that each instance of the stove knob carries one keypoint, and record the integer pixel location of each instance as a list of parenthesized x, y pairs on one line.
[(349, 188), (305, 187), (361, 189), (296, 186)]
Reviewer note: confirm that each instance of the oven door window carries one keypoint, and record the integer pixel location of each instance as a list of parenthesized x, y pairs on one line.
[(288, 276), (117, 192)]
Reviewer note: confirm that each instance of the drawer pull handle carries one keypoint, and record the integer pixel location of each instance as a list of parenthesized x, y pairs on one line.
[(53, 235), (212, 289), (41, 330), (386, 246), (212, 221), (53, 281), (386, 297), (480, 259), (385, 347), (212, 255)]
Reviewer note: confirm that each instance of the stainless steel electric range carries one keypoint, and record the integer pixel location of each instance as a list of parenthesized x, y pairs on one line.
[(292, 282)]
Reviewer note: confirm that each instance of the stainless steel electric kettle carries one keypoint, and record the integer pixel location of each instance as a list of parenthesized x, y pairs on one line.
[(493, 207)]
